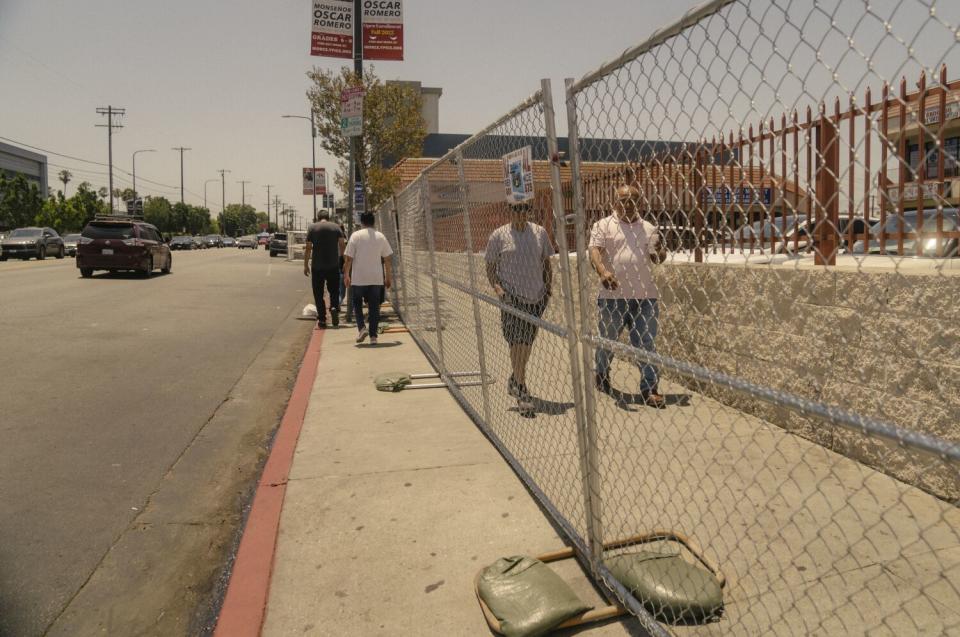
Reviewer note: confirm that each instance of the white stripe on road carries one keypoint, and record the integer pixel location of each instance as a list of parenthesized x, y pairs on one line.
[(269, 268)]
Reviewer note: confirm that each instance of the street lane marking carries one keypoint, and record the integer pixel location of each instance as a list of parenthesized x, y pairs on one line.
[(269, 268)]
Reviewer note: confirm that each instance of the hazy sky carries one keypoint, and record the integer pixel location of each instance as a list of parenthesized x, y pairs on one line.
[(216, 76)]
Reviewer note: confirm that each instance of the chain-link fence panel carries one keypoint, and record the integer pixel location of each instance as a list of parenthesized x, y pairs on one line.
[(387, 224), (795, 423)]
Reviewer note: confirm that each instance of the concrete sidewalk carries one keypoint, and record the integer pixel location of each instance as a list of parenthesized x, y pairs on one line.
[(393, 504)]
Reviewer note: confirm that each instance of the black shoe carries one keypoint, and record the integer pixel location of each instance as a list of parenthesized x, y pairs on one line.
[(321, 325), (603, 384), (335, 317)]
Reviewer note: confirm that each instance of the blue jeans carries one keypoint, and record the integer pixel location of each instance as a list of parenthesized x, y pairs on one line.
[(642, 317)]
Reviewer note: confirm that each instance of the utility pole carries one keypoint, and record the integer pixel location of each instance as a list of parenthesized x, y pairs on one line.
[(111, 112), (276, 210), (356, 144), (243, 191), (223, 196), (181, 149), (268, 187)]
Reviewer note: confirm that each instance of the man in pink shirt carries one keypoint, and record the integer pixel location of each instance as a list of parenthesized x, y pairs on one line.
[(622, 246)]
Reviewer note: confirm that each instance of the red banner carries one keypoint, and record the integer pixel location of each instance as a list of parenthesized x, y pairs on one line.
[(332, 31), (383, 42), (382, 29)]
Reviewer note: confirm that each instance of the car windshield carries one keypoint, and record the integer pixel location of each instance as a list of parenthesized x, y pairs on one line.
[(71, 237), (909, 221), (774, 227), (181, 239), (280, 237), (108, 230), (26, 232)]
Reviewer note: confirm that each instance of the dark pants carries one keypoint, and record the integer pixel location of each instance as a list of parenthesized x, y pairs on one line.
[(330, 278), (370, 294)]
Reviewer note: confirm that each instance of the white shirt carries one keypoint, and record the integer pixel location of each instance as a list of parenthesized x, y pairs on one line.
[(519, 256), (627, 248), (367, 248)]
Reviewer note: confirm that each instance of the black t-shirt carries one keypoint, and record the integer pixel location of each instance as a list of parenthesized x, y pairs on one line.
[(325, 237)]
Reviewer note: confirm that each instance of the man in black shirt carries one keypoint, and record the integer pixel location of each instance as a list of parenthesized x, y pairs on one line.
[(325, 244)]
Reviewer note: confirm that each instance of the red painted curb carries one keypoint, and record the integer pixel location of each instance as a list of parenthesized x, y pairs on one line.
[(245, 604)]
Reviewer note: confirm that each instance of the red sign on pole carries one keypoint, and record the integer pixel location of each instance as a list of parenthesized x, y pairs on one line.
[(383, 30), (314, 183), (332, 34)]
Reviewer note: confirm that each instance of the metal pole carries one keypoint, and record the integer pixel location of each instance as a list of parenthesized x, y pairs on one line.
[(313, 155), (428, 214), (588, 437), (268, 187), (110, 151), (181, 149), (223, 196), (143, 150), (356, 142), (468, 234)]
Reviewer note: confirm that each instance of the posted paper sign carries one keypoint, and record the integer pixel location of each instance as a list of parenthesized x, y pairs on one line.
[(314, 183), (518, 175), (351, 111), (382, 29), (332, 33)]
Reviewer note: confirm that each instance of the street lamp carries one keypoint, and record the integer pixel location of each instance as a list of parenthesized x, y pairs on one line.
[(145, 150), (223, 195), (313, 154), (205, 192)]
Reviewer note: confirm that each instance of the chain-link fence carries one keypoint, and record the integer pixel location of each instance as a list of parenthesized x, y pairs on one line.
[(724, 313)]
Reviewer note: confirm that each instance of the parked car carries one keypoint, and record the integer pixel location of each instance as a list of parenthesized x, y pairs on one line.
[(229, 242), (907, 224), (24, 243), (247, 242), (116, 245), (278, 244), (183, 243), (213, 241), (263, 239), (70, 243)]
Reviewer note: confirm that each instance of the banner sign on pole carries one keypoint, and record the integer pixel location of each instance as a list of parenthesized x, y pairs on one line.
[(359, 198), (518, 175), (332, 33), (314, 183), (382, 30), (351, 111)]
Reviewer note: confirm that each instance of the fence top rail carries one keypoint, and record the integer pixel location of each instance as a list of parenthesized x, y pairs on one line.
[(534, 99), (656, 39)]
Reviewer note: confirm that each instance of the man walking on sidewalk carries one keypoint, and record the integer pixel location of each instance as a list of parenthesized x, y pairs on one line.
[(367, 268), (325, 244), (622, 245), (518, 268)]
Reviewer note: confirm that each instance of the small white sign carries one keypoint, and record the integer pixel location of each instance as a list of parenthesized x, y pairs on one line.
[(518, 175), (351, 111)]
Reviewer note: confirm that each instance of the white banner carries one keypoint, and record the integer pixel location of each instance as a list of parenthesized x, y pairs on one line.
[(518, 175), (332, 29)]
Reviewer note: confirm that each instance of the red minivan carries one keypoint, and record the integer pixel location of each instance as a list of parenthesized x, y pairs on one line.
[(122, 244)]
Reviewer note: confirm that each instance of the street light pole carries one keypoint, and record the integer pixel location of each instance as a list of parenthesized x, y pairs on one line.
[(223, 196), (145, 150), (243, 191), (268, 187), (181, 149), (313, 152)]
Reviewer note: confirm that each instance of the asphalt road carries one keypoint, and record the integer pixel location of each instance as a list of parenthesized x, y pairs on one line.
[(105, 383)]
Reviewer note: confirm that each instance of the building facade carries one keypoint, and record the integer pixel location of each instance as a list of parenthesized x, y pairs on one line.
[(17, 161)]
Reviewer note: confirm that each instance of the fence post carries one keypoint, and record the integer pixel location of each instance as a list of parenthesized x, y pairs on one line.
[(468, 234), (401, 294), (828, 187), (587, 433), (428, 214)]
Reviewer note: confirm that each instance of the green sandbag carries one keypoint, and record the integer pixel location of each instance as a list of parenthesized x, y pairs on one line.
[(392, 381), (527, 597), (670, 588)]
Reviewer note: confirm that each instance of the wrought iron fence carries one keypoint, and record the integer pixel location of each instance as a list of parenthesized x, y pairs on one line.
[(661, 356)]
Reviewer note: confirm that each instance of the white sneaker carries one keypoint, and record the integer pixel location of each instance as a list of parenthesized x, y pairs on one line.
[(373, 340), (362, 336)]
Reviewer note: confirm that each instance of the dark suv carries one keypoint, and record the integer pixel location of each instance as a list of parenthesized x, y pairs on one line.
[(122, 244), (24, 243), (278, 244)]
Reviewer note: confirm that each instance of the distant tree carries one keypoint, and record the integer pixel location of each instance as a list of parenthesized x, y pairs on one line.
[(159, 212), (86, 204), (65, 176), (127, 194), (239, 219), (393, 127), (103, 192), (20, 202)]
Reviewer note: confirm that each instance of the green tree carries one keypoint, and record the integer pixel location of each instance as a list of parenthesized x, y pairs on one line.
[(65, 176), (86, 204), (239, 219), (393, 127), (159, 212), (20, 202)]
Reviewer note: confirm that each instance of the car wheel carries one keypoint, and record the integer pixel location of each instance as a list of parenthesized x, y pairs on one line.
[(41, 253), (62, 253), (169, 267), (149, 271), (86, 272)]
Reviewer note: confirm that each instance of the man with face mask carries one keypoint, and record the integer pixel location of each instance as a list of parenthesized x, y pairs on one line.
[(622, 246)]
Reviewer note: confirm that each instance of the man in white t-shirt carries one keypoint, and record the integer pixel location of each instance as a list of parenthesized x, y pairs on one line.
[(367, 269), (622, 246)]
